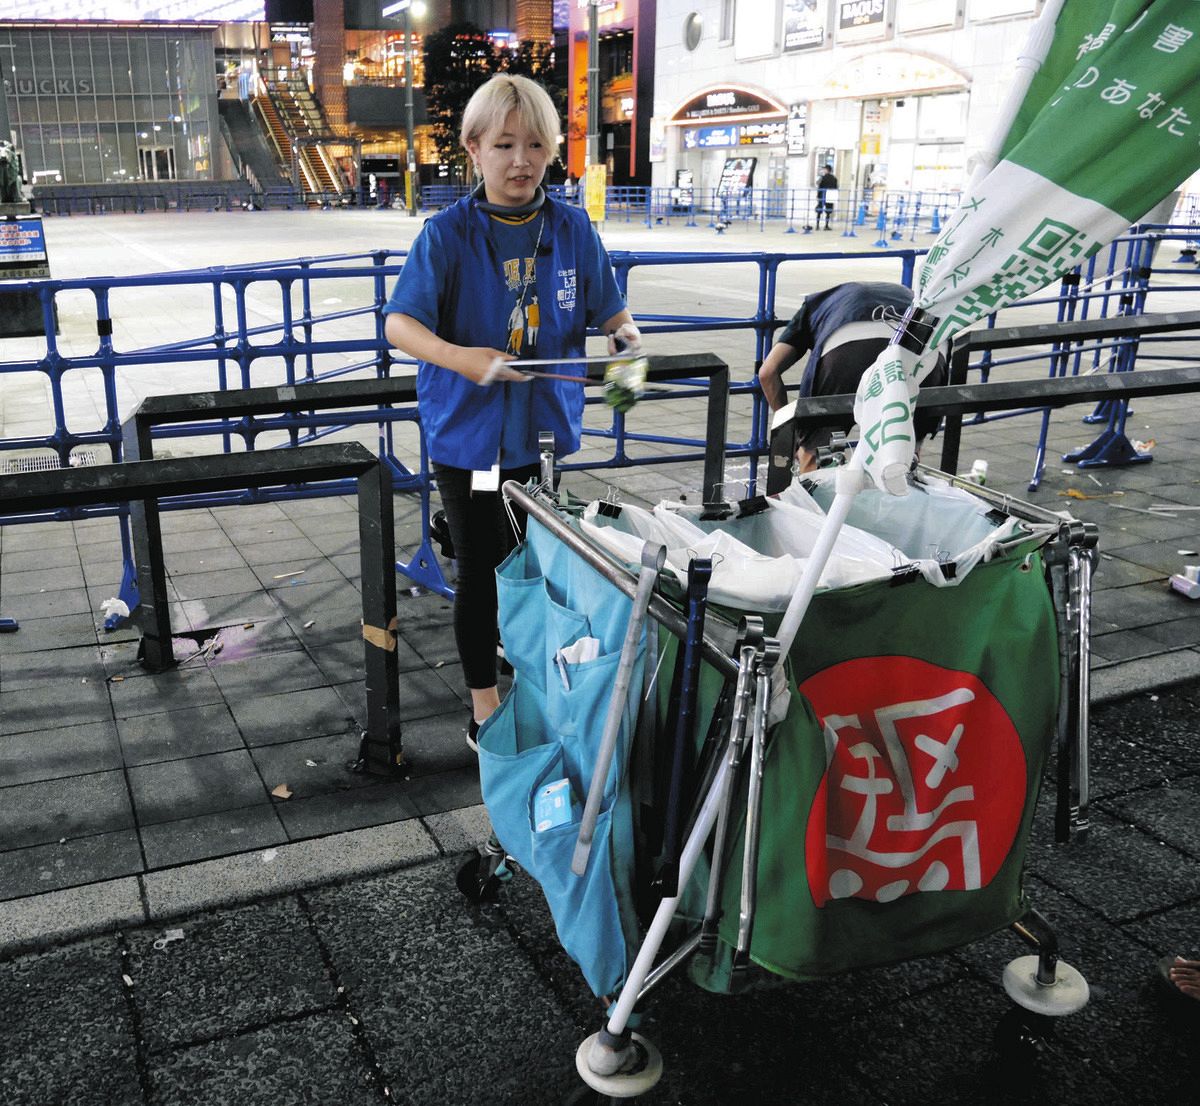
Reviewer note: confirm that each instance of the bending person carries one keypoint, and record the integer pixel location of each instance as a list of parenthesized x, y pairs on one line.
[(464, 304), (843, 330)]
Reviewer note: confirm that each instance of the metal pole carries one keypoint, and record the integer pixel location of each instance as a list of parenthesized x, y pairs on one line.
[(593, 86), (410, 179)]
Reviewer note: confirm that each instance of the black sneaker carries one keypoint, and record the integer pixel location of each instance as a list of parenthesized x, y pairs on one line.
[(439, 531)]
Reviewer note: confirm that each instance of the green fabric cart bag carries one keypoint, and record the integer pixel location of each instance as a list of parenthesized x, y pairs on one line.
[(900, 788)]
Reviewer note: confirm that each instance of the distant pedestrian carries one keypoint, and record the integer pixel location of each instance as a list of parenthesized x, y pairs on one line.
[(382, 193), (826, 183)]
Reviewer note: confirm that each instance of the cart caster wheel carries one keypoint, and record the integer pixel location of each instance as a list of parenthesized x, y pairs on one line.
[(1066, 995), (644, 1069), (476, 882)]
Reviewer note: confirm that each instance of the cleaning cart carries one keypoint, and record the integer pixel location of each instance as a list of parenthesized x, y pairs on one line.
[(686, 792)]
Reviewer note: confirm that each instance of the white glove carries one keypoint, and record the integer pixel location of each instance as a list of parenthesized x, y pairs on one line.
[(625, 339), (781, 695), (499, 370)]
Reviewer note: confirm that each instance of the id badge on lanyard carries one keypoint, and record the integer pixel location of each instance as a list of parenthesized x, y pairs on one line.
[(486, 480)]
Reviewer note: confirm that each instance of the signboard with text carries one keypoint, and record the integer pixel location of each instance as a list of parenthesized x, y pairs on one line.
[(22, 242), (797, 129), (22, 257), (711, 137), (861, 19), (767, 133), (737, 174), (719, 103)]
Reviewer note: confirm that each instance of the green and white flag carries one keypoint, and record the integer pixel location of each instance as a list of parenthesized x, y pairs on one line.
[(1103, 124)]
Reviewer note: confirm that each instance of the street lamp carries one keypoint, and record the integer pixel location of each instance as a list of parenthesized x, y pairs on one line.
[(408, 8)]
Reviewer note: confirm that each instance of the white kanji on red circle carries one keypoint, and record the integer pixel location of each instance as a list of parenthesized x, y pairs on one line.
[(925, 781)]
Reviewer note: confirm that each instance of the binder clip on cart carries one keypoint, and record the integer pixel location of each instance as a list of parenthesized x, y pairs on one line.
[(698, 777)]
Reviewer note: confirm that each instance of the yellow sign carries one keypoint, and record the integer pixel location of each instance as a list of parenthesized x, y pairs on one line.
[(595, 188), (869, 144)]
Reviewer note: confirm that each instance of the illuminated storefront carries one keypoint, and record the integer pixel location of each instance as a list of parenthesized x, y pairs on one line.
[(103, 103), (885, 91)]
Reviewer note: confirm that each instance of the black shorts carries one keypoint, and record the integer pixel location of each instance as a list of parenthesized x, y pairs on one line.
[(839, 372)]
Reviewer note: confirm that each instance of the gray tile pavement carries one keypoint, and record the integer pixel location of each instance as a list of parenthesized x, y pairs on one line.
[(131, 802)]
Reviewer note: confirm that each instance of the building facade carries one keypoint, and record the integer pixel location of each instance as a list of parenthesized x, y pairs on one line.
[(885, 91), (106, 103)]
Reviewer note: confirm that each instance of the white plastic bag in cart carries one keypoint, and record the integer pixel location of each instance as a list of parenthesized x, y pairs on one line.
[(935, 524), (757, 560)]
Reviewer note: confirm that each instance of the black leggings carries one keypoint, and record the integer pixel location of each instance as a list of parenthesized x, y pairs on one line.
[(482, 537)]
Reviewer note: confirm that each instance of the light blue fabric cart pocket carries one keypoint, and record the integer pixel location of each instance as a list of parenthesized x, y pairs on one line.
[(549, 728), (585, 908), (533, 626)]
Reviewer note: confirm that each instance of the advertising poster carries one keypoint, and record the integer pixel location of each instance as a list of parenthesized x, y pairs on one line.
[(595, 191), (658, 138), (737, 174), (803, 24), (926, 15), (860, 19), (999, 9)]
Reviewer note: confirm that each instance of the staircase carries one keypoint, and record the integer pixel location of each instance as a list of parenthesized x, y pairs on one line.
[(297, 123)]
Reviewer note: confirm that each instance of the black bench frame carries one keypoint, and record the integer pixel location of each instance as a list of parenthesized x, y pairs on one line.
[(300, 399), (140, 483), (956, 399)]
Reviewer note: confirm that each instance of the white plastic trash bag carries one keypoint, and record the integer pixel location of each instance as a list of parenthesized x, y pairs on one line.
[(935, 524), (752, 566)]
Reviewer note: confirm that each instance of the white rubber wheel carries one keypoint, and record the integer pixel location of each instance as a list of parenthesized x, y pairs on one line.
[(646, 1074), (1068, 994)]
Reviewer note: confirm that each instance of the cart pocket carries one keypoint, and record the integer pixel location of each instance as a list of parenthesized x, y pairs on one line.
[(533, 626), (585, 908), (577, 699)]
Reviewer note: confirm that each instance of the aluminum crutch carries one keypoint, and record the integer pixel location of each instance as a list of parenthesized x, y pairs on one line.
[(737, 732), (653, 558), (767, 660)]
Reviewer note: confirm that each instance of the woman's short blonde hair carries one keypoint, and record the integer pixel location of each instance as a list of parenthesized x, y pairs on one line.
[(492, 102)]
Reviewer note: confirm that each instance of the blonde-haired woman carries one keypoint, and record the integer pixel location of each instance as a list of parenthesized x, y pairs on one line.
[(505, 273)]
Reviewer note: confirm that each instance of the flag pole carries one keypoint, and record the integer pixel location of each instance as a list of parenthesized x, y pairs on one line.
[(849, 482), (1029, 61)]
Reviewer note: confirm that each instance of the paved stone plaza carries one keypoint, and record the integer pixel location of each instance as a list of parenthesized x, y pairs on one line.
[(326, 954)]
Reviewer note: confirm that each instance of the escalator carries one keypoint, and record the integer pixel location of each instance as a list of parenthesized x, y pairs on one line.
[(249, 146), (299, 125)]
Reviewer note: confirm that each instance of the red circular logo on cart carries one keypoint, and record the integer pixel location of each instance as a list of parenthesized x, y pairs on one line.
[(924, 785)]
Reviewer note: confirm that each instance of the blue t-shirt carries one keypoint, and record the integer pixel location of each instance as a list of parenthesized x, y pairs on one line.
[(463, 279)]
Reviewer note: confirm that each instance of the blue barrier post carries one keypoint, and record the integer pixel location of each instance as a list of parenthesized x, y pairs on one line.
[(897, 233), (935, 224), (881, 226), (848, 230), (861, 219)]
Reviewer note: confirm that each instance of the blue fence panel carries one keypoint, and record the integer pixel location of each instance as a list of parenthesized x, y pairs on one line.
[(297, 348)]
